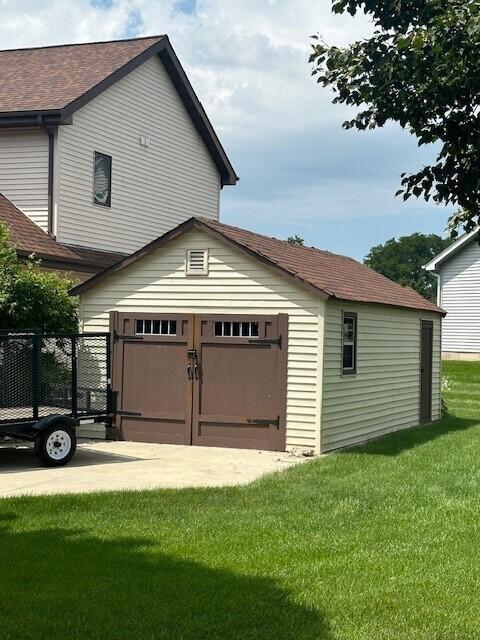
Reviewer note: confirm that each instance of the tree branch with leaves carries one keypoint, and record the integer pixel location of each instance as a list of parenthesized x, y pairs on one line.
[(420, 69)]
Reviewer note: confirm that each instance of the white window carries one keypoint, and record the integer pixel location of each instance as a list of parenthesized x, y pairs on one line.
[(349, 343), (156, 327), (235, 329), (197, 262)]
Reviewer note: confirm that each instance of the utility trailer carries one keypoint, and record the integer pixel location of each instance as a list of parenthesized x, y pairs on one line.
[(50, 384)]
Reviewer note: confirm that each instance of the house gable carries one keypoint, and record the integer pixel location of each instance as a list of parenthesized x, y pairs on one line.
[(237, 283), (47, 85)]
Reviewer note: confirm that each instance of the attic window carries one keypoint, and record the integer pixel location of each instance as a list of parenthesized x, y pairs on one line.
[(197, 262), (102, 181)]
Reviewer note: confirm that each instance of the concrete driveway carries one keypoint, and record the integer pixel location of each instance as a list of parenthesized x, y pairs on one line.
[(113, 466)]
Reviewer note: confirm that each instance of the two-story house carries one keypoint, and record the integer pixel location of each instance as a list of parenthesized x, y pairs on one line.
[(103, 147)]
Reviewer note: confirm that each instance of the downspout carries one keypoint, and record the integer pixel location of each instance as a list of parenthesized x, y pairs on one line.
[(50, 131)]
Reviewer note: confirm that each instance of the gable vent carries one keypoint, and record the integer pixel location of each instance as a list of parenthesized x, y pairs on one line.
[(197, 262)]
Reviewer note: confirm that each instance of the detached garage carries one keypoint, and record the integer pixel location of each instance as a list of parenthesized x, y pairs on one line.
[(224, 337)]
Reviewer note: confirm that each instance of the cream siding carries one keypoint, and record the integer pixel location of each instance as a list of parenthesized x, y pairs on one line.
[(24, 172), (460, 297), (384, 394), (235, 284), (153, 188)]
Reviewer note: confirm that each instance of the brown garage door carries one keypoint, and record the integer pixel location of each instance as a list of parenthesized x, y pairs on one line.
[(206, 380)]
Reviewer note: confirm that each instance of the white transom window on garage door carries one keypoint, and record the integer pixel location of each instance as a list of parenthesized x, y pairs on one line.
[(156, 327), (235, 329)]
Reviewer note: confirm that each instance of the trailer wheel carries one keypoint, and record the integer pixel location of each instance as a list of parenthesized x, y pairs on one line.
[(56, 446)]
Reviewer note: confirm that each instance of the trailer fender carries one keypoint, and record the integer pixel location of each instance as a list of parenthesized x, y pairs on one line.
[(44, 423)]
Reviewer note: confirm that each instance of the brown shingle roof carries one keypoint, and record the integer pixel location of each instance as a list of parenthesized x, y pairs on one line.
[(329, 274), (29, 238), (50, 78)]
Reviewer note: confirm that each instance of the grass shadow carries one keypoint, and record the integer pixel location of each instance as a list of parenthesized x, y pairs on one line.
[(396, 443), (59, 583)]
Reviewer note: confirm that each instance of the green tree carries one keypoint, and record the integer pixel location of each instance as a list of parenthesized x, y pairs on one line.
[(421, 69), (31, 298), (402, 260), (298, 240)]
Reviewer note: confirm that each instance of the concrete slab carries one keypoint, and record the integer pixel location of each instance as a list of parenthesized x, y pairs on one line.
[(113, 466)]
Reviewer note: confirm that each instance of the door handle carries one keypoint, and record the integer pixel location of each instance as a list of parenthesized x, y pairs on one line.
[(189, 371)]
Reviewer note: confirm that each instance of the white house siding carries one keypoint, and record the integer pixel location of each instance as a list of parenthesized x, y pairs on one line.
[(154, 188), (384, 394), (460, 297), (235, 284), (24, 172)]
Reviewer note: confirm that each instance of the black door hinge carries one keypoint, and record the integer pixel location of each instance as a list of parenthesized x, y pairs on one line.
[(118, 336), (266, 341), (265, 421)]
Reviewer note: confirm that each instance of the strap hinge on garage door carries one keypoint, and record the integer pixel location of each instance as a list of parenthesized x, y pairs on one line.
[(265, 421), (265, 341), (118, 336)]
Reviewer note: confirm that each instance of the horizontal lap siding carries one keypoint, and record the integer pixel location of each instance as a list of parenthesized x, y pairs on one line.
[(384, 394), (236, 284), (460, 297), (24, 172), (154, 188)]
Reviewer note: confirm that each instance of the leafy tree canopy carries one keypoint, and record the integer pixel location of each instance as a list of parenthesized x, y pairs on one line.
[(421, 69), (31, 298), (296, 240), (402, 260)]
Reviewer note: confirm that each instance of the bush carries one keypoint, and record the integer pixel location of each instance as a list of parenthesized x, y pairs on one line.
[(31, 298)]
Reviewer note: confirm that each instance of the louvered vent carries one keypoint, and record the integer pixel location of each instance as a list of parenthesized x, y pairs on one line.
[(197, 262)]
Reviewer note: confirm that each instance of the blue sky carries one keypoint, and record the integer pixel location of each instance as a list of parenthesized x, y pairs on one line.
[(247, 59)]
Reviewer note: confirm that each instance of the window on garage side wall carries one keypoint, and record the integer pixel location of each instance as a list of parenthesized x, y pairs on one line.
[(349, 343)]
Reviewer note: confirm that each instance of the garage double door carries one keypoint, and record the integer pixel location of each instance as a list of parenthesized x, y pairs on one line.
[(202, 380)]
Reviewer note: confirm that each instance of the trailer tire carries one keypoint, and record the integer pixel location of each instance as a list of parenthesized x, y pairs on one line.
[(55, 446)]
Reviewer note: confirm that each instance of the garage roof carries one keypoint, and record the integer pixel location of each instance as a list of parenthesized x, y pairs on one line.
[(48, 84), (328, 274)]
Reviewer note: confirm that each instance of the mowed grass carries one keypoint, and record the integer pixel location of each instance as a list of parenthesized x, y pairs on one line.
[(380, 542)]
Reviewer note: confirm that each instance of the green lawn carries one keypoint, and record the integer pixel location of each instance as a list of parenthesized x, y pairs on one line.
[(381, 542)]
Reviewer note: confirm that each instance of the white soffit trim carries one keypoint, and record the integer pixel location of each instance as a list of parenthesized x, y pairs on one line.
[(449, 251)]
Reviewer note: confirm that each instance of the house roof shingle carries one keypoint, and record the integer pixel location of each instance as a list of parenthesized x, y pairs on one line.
[(51, 83), (29, 238), (329, 274), (50, 78)]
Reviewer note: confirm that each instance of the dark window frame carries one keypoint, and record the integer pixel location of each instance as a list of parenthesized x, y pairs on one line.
[(108, 203), (352, 316)]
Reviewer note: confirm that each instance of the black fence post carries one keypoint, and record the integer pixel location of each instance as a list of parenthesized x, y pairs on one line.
[(35, 374), (109, 373), (74, 377)]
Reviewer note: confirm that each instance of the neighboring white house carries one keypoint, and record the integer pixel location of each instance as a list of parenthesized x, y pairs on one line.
[(104, 146), (458, 271), (258, 343)]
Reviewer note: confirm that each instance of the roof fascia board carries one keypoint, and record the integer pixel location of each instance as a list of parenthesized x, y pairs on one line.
[(134, 257), (197, 112), (450, 250), (114, 77), (285, 273), (31, 119)]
